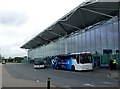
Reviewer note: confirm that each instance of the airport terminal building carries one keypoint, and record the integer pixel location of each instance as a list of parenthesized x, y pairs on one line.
[(91, 27)]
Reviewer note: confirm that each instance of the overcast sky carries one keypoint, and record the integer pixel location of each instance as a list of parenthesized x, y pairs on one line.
[(21, 20)]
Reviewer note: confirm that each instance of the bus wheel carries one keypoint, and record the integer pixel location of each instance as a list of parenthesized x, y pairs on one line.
[(73, 68)]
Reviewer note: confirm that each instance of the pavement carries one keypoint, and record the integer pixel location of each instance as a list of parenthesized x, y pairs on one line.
[(8, 81), (109, 73)]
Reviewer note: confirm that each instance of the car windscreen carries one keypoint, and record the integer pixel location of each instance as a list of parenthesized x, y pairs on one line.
[(38, 62)]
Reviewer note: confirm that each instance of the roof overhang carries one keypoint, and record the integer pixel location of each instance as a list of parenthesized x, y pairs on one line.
[(78, 19)]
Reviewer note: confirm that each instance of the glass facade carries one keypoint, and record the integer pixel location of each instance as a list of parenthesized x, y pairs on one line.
[(96, 38)]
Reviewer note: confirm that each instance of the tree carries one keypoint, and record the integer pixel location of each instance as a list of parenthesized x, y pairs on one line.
[(18, 59)]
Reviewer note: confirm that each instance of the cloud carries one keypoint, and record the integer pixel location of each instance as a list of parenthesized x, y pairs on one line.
[(21, 20), (12, 18), (12, 51)]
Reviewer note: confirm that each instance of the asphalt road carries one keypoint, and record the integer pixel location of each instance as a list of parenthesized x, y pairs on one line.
[(59, 78)]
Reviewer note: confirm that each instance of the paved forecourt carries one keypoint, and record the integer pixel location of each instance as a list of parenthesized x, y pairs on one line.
[(9, 81)]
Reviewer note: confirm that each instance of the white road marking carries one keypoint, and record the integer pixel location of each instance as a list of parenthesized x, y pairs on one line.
[(37, 81), (89, 85), (106, 82), (68, 87), (109, 76), (40, 82), (52, 85), (8, 74), (44, 83)]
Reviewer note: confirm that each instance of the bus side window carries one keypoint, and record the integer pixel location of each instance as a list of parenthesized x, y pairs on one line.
[(77, 58), (80, 57)]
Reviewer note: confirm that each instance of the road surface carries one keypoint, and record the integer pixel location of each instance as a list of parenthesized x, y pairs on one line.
[(59, 78)]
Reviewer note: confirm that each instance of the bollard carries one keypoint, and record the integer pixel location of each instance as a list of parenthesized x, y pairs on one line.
[(48, 83)]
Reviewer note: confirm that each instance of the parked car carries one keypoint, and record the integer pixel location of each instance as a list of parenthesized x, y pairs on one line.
[(39, 63), (3, 62)]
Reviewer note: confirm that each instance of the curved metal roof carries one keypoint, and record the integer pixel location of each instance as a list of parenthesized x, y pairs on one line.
[(79, 18)]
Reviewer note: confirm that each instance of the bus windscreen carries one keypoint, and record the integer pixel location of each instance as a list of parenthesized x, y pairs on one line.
[(86, 59)]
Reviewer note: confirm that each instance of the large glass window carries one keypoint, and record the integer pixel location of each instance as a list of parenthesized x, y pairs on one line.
[(45, 50), (110, 34), (88, 41), (79, 43), (55, 51), (103, 37), (98, 39), (119, 34), (57, 48), (60, 48), (63, 46), (92, 40), (48, 50), (69, 45), (61, 43), (72, 44), (51, 48), (116, 34), (83, 42), (42, 51), (76, 43), (39, 52)]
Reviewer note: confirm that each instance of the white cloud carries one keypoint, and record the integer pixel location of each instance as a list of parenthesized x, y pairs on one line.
[(12, 18), (24, 19)]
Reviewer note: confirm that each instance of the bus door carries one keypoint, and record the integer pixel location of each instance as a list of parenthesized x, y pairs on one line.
[(78, 59), (78, 64)]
